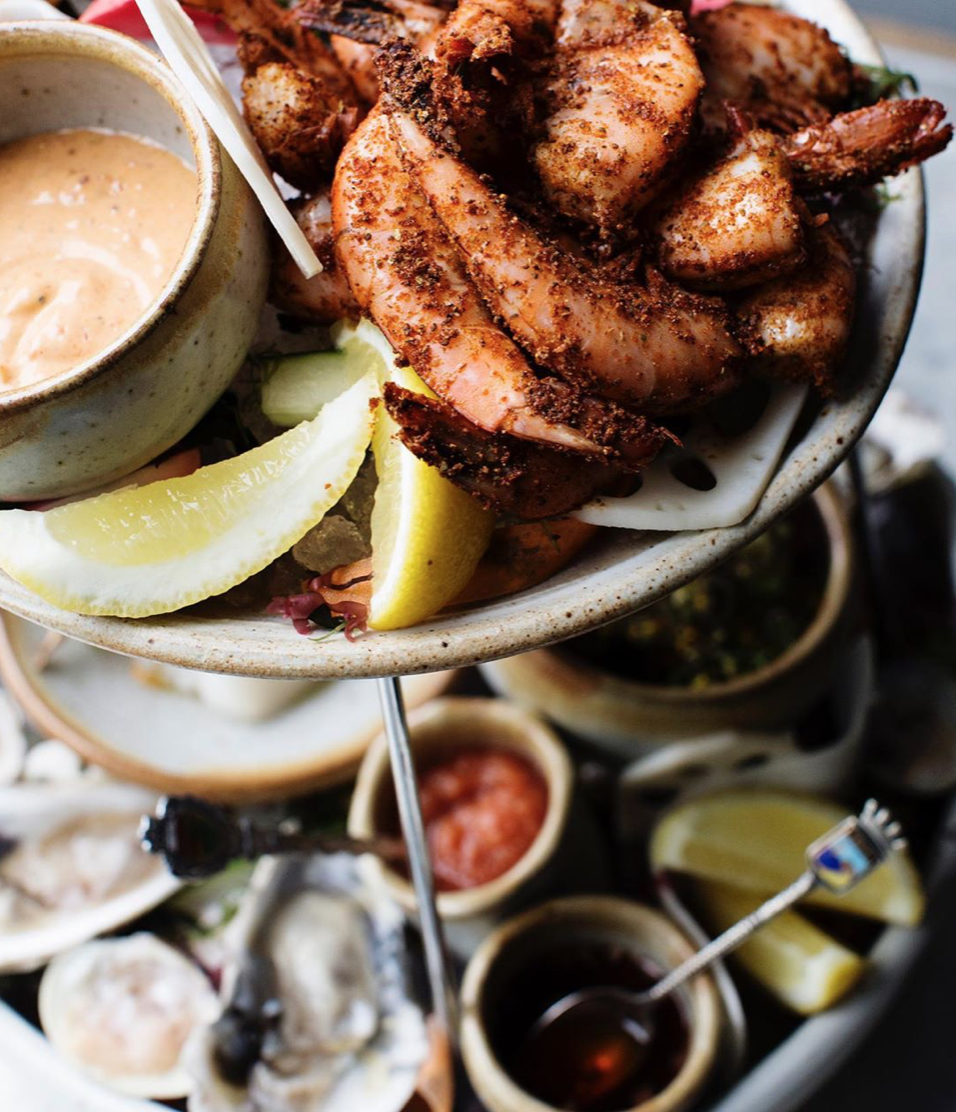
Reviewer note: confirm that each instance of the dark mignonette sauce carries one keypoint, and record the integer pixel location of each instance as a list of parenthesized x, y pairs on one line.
[(592, 1063)]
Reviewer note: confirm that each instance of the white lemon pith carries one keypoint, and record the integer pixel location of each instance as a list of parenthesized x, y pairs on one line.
[(800, 964), (152, 549), (756, 840)]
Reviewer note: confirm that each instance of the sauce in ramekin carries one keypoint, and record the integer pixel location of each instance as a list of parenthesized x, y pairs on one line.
[(92, 224), (482, 809)]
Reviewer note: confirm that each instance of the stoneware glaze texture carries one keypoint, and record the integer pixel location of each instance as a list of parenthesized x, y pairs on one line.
[(624, 570), (118, 411)]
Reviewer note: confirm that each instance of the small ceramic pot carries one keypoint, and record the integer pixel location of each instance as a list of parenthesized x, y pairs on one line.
[(603, 919), (443, 726), (628, 717), (115, 412)]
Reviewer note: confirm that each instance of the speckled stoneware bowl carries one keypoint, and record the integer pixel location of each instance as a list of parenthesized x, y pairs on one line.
[(115, 412), (488, 985), (438, 729), (626, 716), (622, 572)]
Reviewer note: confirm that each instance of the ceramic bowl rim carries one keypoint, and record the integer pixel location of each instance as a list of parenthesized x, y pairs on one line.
[(550, 757), (325, 770), (596, 589), (833, 601), (53, 38)]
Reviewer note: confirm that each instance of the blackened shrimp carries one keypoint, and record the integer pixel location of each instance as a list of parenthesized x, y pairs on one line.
[(784, 71), (530, 481), (357, 27), (406, 274), (736, 224), (797, 327), (298, 120), (654, 347), (325, 297), (861, 148), (621, 98), (269, 32)]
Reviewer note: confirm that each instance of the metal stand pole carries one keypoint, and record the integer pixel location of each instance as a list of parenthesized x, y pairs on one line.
[(440, 976)]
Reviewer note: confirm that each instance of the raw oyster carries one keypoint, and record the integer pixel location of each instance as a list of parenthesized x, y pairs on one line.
[(122, 1009), (71, 866), (318, 1015)]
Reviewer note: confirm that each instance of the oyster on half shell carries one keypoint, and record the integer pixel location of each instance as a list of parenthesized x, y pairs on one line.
[(318, 1012), (122, 1009), (71, 866)]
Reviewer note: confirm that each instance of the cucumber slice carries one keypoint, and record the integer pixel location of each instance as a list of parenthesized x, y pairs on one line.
[(299, 385)]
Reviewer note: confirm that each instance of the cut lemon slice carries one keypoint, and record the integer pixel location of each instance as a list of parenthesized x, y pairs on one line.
[(756, 840), (156, 548), (801, 965), (427, 535)]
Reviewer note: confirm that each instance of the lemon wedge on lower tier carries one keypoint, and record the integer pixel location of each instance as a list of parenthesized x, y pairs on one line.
[(152, 549), (756, 840), (802, 966)]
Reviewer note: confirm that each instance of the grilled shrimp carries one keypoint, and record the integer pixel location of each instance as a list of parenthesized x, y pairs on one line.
[(736, 224), (326, 296), (484, 56), (513, 476), (298, 121), (406, 273), (657, 347), (270, 33), (784, 71), (797, 327), (863, 147), (621, 99), (356, 27)]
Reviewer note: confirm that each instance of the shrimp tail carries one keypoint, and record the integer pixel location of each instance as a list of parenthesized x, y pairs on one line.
[(363, 21), (529, 481), (861, 148)]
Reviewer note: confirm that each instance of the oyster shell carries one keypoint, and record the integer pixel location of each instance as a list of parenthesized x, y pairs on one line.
[(122, 1010), (71, 866), (319, 1016)]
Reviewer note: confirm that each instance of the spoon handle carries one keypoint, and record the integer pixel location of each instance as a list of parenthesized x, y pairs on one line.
[(731, 938)]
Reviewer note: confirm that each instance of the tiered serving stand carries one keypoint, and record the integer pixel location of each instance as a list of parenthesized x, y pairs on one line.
[(619, 575)]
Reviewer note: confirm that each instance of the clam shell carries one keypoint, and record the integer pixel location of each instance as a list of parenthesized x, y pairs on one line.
[(69, 838), (122, 1009)]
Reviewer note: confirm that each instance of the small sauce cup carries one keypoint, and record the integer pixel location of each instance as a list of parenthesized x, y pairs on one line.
[(113, 413), (444, 727), (500, 980)]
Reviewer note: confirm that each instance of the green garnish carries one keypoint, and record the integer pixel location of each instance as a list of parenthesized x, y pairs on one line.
[(878, 82)]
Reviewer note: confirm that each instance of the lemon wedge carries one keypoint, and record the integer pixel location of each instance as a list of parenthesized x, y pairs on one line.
[(802, 966), (152, 549), (427, 535), (756, 840)]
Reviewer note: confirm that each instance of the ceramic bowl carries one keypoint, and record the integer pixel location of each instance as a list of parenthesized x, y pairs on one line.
[(623, 570), (604, 919), (136, 398), (628, 716), (444, 726)]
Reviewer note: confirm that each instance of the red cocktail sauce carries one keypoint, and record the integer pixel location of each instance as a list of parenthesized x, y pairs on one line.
[(482, 810)]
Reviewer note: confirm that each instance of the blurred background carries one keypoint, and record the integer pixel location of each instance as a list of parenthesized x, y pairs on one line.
[(909, 1061)]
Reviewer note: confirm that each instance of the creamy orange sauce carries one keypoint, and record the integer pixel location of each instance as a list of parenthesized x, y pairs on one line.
[(92, 224)]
